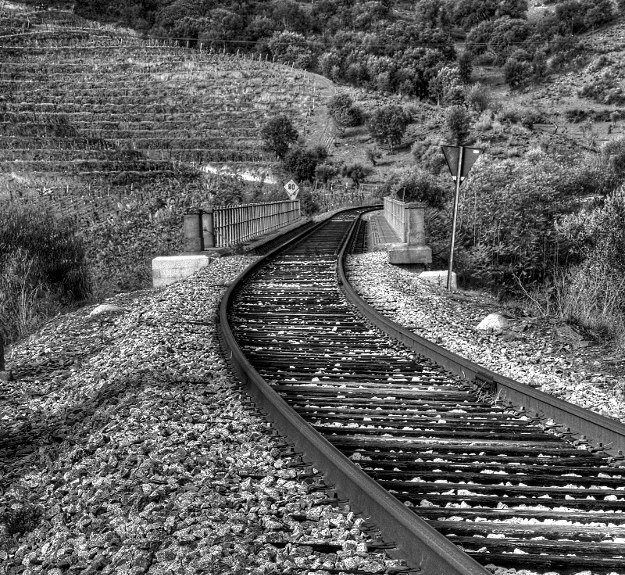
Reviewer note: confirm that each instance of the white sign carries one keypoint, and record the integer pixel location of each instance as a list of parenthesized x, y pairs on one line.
[(292, 189)]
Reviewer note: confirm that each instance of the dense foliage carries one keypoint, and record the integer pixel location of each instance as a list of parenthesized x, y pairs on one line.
[(278, 134), (388, 124), (301, 163), (512, 232), (42, 267), (417, 185), (368, 42)]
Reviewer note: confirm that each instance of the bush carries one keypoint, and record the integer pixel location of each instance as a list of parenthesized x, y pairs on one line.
[(22, 520), (42, 268), (457, 121), (613, 154), (465, 67), (356, 172), (302, 162), (292, 48), (308, 203), (478, 97), (418, 186), (324, 172), (512, 231), (278, 134), (527, 117), (443, 87), (516, 72), (592, 293), (344, 113), (388, 124)]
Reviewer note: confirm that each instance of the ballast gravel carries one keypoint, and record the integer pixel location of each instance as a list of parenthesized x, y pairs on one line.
[(126, 447), (542, 359)]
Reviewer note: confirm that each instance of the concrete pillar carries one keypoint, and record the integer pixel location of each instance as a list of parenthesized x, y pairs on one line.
[(415, 224), (412, 250), (193, 241)]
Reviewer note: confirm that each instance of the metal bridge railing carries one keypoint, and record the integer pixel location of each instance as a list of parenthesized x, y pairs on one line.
[(230, 225)]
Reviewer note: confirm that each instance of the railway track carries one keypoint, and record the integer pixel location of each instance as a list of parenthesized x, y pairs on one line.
[(491, 484)]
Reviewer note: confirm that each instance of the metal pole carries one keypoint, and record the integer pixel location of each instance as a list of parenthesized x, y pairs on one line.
[(455, 218)]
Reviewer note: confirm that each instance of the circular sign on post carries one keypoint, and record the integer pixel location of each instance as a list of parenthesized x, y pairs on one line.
[(292, 189)]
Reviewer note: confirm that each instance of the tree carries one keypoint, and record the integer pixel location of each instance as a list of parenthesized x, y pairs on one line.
[(388, 124), (291, 48), (478, 97), (516, 72), (443, 85), (324, 172), (221, 26), (278, 134), (465, 67), (458, 124), (418, 186), (302, 162), (356, 172), (344, 113)]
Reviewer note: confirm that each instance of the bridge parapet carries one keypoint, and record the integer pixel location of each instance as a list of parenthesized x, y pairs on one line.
[(407, 219)]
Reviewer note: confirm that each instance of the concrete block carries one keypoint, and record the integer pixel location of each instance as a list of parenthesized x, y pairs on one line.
[(439, 278), (407, 254), (169, 269)]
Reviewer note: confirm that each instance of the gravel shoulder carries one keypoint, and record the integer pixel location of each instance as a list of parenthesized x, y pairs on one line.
[(127, 447), (553, 358)]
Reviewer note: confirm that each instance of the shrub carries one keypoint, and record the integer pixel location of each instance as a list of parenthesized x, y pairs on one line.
[(278, 134), (511, 211), (516, 72), (613, 153), (42, 268), (344, 113), (356, 172), (458, 122), (309, 204), (373, 154), (442, 87), (302, 162), (324, 172), (592, 293), (465, 67), (21, 520), (418, 186), (292, 48), (388, 124), (478, 97)]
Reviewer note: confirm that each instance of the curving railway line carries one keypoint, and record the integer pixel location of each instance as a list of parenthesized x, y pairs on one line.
[(426, 444)]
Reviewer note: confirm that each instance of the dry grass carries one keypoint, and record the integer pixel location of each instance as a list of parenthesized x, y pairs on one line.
[(593, 297)]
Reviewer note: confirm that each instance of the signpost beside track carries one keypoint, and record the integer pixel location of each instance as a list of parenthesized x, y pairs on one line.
[(460, 160)]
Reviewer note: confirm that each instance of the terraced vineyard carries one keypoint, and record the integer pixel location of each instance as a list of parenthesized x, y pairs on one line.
[(112, 131), (87, 108)]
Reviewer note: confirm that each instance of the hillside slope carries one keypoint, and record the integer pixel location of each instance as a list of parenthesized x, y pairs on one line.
[(86, 105)]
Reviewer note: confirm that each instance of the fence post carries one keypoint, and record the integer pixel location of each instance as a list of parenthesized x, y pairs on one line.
[(193, 241), (208, 228)]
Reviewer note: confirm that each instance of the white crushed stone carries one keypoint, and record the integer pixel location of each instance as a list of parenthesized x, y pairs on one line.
[(450, 320), (145, 455)]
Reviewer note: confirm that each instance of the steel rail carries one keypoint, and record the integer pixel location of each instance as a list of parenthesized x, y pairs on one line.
[(603, 433), (417, 542)]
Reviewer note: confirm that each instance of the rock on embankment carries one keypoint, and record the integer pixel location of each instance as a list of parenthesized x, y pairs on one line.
[(126, 447), (509, 348)]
